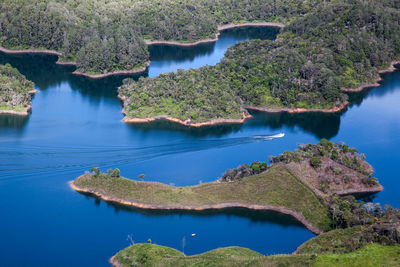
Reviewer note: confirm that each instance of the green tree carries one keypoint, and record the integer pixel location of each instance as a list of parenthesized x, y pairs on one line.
[(116, 173), (96, 171)]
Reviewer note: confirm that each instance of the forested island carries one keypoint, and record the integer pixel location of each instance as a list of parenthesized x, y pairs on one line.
[(336, 46), (311, 184), (103, 37), (15, 91), (303, 184)]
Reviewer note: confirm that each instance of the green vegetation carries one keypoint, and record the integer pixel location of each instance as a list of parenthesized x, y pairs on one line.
[(155, 255), (97, 35), (336, 168), (288, 185), (275, 187), (338, 44), (291, 183), (14, 90), (370, 255), (335, 241), (105, 36)]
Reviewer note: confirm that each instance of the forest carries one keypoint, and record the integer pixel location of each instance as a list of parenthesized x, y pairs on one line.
[(339, 44), (109, 35), (14, 89)]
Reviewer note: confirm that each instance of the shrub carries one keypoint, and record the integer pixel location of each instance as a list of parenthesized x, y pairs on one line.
[(96, 171), (115, 173), (334, 155), (315, 162)]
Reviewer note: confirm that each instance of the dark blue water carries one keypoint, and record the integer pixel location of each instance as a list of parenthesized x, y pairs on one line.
[(76, 124)]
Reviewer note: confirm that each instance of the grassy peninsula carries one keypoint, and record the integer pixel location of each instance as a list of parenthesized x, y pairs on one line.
[(372, 243), (279, 187), (103, 37), (155, 255), (15, 91), (336, 45)]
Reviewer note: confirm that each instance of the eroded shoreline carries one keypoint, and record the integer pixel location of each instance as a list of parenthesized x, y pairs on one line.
[(23, 112), (147, 64), (279, 209), (220, 28), (361, 88), (97, 76), (336, 109)]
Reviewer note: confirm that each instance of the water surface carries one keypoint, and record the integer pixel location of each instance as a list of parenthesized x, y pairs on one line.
[(76, 124)]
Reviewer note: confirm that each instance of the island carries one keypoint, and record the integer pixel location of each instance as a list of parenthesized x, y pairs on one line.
[(301, 184), (15, 91), (314, 184), (334, 48)]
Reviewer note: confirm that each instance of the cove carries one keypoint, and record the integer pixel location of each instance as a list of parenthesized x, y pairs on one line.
[(76, 124)]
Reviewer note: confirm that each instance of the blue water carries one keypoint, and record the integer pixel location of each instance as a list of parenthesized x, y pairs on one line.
[(76, 124)]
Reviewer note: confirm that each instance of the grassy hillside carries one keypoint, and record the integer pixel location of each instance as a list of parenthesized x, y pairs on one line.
[(14, 90), (275, 187), (154, 255), (338, 44), (280, 186)]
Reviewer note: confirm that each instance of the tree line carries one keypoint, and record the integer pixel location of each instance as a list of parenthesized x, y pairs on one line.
[(104, 36), (339, 44)]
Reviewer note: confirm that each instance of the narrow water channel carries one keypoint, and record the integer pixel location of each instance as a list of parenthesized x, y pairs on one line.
[(76, 124)]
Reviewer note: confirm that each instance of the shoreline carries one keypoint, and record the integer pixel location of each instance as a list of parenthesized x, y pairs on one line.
[(97, 76), (375, 189), (114, 262), (286, 211), (376, 83), (71, 63), (299, 110), (221, 121), (20, 113), (188, 122), (29, 51), (219, 29), (340, 108)]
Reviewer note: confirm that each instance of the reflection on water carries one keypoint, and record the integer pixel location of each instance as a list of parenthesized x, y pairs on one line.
[(76, 124), (321, 125), (256, 216), (388, 85), (17, 122)]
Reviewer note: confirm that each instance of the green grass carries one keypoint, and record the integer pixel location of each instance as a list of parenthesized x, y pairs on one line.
[(155, 255), (370, 255), (276, 187), (335, 241)]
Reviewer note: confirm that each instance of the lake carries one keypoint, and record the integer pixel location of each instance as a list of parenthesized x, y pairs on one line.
[(76, 124)]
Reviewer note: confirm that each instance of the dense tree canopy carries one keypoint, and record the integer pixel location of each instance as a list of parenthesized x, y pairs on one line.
[(108, 35), (341, 44), (14, 89)]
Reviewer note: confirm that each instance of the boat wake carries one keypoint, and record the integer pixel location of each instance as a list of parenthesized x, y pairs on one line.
[(65, 159)]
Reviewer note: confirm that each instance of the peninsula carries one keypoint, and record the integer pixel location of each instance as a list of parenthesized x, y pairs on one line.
[(359, 234), (15, 91), (363, 234), (109, 37), (298, 183), (334, 46), (147, 255)]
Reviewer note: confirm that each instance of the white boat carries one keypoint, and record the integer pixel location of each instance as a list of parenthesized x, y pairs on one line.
[(279, 135)]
